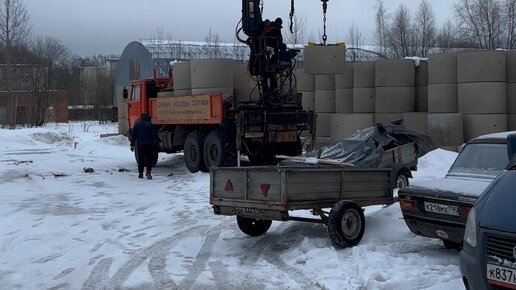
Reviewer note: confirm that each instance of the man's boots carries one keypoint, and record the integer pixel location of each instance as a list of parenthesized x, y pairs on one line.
[(148, 175), (140, 175)]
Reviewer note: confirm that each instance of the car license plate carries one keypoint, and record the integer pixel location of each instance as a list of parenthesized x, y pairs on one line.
[(501, 276), (442, 208)]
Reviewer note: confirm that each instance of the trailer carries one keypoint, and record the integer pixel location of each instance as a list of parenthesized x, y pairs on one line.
[(259, 195)]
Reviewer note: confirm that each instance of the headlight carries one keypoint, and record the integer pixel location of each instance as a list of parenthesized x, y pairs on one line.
[(470, 234)]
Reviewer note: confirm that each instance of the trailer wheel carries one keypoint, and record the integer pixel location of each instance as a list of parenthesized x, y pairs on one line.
[(218, 151), (346, 224), (402, 179), (194, 152), (253, 227)]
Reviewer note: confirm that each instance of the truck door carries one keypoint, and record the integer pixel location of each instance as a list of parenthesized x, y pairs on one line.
[(135, 105)]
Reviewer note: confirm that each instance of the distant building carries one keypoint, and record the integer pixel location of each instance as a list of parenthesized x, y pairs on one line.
[(96, 90), (19, 95)]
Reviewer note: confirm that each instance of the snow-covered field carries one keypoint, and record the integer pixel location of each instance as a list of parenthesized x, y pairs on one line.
[(63, 228)]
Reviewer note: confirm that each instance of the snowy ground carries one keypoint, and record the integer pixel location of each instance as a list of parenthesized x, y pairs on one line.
[(62, 228)]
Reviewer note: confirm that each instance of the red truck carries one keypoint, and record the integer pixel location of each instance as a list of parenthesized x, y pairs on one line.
[(213, 131)]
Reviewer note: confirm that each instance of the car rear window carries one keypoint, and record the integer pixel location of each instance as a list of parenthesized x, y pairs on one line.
[(481, 159)]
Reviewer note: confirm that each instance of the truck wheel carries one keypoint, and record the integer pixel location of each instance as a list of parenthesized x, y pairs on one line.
[(346, 224), (253, 227), (193, 152), (218, 151), (402, 180)]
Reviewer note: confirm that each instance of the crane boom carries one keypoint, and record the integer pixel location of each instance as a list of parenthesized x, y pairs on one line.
[(270, 61)]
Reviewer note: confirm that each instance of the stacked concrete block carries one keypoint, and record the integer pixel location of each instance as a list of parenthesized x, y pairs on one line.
[(479, 124), (244, 88), (344, 90), (212, 76), (123, 123), (511, 90), (442, 83), (422, 87), (182, 78), (482, 92), (306, 86), (325, 93), (364, 87), (343, 125), (322, 59), (395, 90), (446, 129), (323, 124), (416, 121)]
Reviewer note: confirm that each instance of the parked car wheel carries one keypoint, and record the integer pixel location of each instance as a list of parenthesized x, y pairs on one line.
[(346, 224), (253, 227)]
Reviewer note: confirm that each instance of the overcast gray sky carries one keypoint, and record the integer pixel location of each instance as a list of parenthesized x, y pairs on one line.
[(91, 27)]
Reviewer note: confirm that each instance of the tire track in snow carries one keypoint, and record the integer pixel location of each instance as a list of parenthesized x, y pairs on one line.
[(269, 247), (203, 256), (98, 277)]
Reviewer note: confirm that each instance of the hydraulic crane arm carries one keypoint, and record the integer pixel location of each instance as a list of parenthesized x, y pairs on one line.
[(270, 60)]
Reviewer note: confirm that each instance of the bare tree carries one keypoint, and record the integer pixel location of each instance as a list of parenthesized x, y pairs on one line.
[(382, 27), (355, 36), (447, 37), (52, 55), (212, 44), (480, 21), (299, 30), (424, 28), (509, 21), (401, 37), (14, 23)]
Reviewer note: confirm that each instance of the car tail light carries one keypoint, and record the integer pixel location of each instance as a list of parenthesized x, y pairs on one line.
[(407, 204), (464, 211)]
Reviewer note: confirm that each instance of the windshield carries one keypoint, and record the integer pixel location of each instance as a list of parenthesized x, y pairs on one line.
[(481, 159)]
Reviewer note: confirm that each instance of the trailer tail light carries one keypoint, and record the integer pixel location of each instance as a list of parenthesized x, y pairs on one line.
[(407, 204), (464, 211)]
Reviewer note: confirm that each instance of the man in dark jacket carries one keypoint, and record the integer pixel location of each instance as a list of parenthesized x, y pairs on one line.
[(146, 139)]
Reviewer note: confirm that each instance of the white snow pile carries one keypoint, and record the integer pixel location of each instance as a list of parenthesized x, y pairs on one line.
[(62, 228), (53, 138)]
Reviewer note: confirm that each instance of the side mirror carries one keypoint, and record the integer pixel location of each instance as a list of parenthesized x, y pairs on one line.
[(125, 94)]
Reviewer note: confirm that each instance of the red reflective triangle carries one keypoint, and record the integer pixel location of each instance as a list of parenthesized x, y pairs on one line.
[(229, 186), (265, 189)]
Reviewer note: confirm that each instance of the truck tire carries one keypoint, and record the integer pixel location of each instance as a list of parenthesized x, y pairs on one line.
[(194, 152), (253, 227), (218, 151), (346, 224)]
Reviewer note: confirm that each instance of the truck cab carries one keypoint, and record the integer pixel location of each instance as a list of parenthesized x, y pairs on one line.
[(139, 94)]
